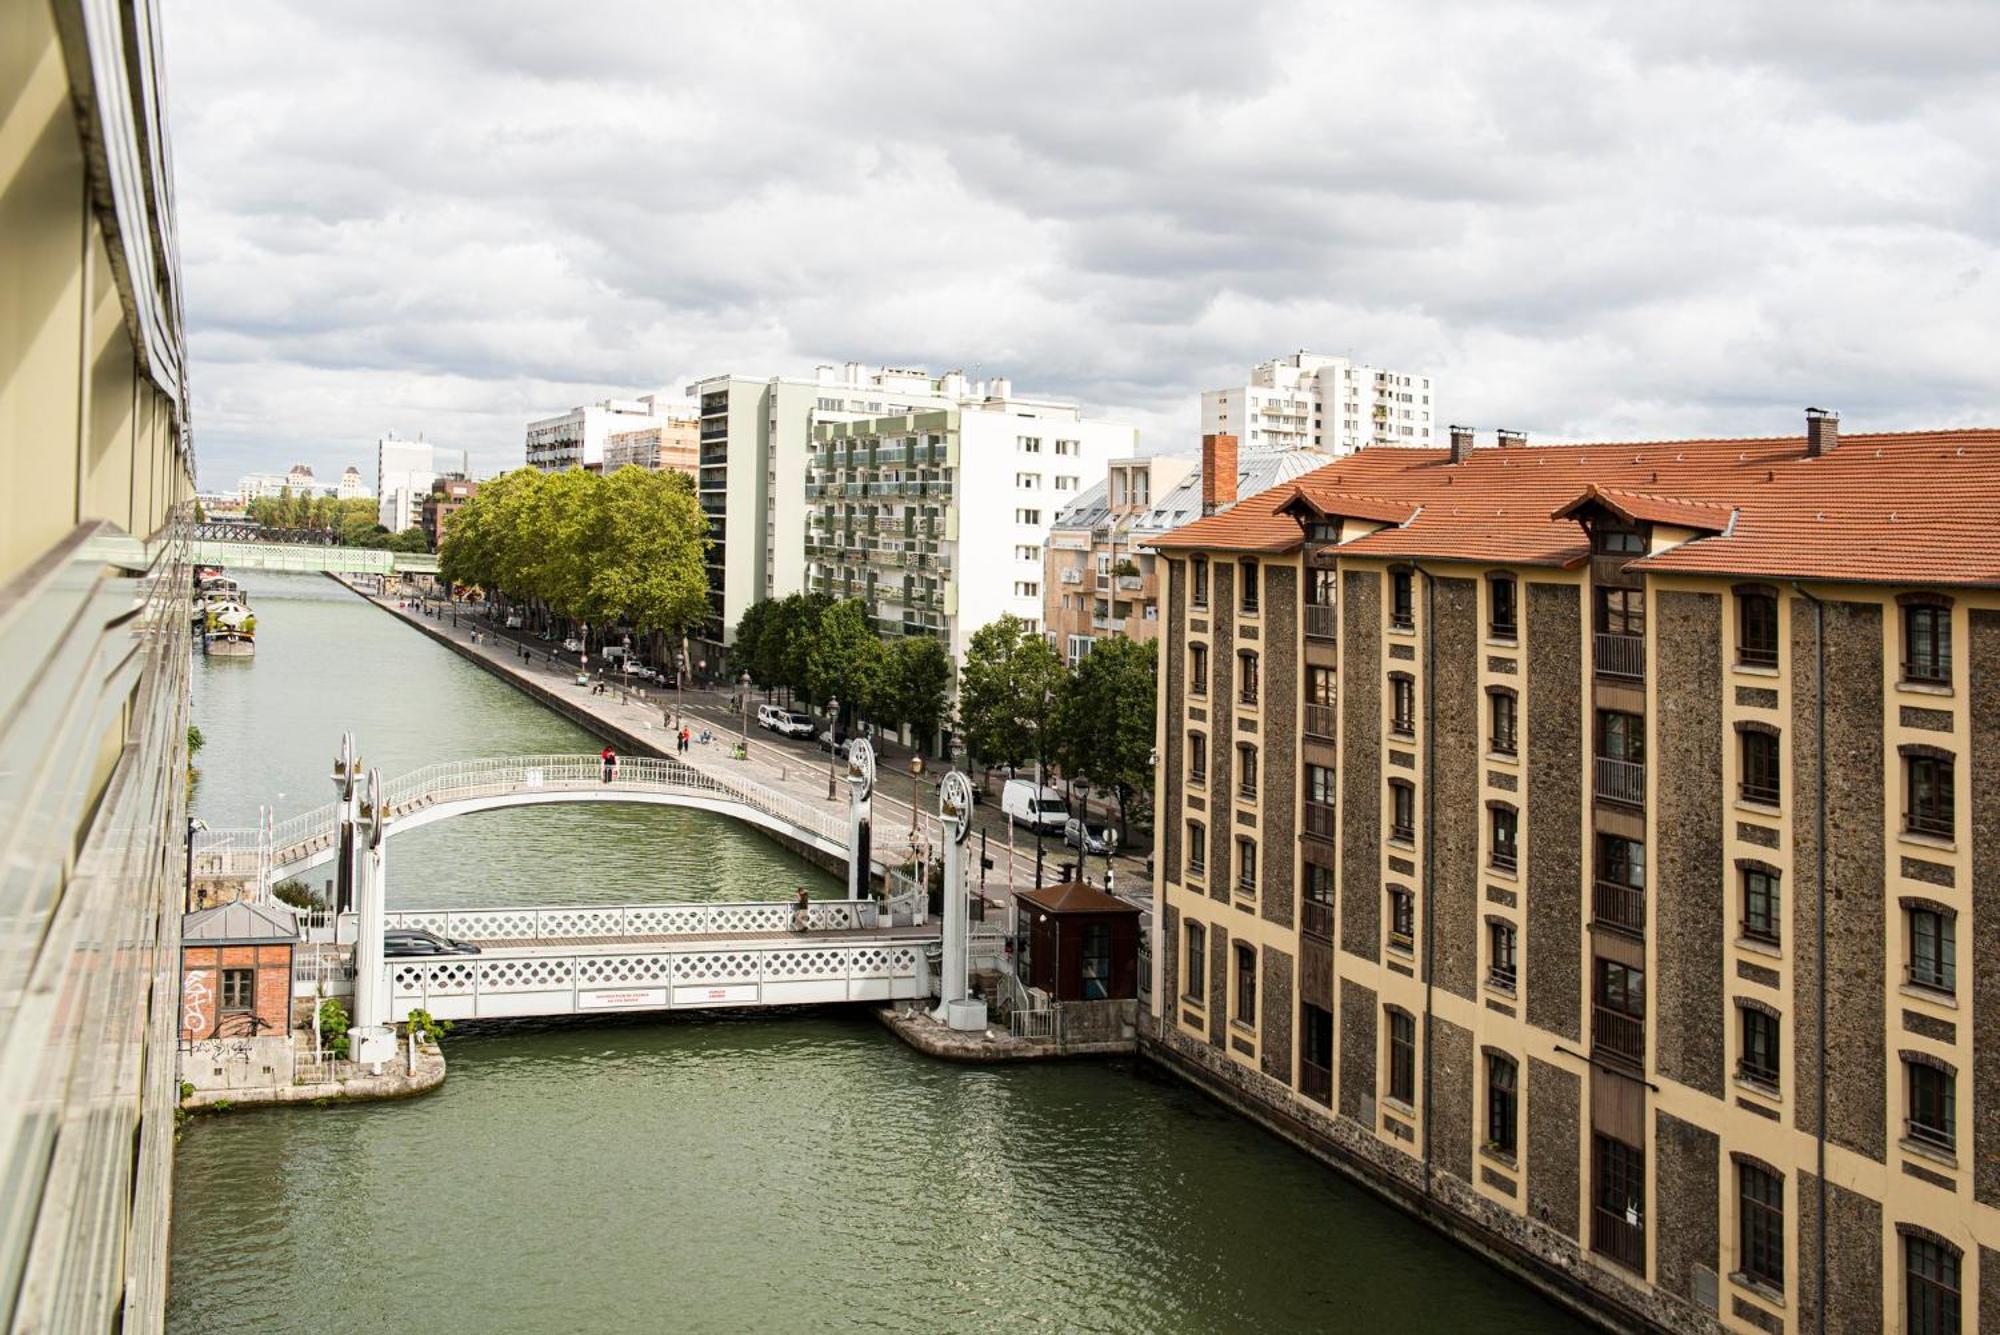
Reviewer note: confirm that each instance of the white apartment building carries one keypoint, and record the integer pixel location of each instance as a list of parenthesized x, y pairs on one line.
[(1308, 401), (252, 486), (351, 486), (404, 472), (755, 439), (575, 439), (937, 519)]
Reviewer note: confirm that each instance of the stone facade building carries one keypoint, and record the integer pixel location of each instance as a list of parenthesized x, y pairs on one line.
[(1577, 845)]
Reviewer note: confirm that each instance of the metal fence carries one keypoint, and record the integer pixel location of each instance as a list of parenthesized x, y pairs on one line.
[(572, 922)]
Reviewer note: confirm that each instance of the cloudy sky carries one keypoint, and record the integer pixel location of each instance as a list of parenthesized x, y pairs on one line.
[(1588, 220)]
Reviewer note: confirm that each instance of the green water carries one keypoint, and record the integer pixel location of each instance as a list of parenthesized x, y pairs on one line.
[(712, 1173)]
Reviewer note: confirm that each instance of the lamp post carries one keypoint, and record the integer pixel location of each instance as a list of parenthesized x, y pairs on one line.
[(916, 778), (743, 713), (832, 742), (187, 895)]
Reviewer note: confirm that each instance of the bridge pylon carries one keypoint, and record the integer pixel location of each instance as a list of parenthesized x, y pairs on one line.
[(371, 1041)]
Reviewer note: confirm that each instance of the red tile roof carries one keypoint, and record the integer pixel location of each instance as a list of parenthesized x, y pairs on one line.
[(1904, 507)]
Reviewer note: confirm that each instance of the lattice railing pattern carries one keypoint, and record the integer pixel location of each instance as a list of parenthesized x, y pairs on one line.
[(615, 920)]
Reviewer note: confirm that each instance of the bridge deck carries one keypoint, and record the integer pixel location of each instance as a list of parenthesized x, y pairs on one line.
[(845, 936)]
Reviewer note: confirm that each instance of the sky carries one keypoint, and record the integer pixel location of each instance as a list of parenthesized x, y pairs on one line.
[(1588, 221)]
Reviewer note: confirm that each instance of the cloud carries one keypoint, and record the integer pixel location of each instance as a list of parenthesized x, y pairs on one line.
[(1585, 219)]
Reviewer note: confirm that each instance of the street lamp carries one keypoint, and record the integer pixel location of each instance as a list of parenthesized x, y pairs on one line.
[(187, 896), (743, 689), (916, 777), (832, 741)]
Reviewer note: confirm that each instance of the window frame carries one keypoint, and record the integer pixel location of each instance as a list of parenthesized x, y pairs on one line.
[(1402, 704), (1198, 583), (1771, 929), (1930, 792), (1402, 811), (1933, 1297), (1760, 1224), (1502, 954), (243, 983), (1402, 1031), (1503, 1104), (1503, 714), (1246, 770), (1198, 669), (1197, 850), (1926, 639), (1760, 765), (1249, 593), (1509, 629), (1245, 989), (1756, 626), (1503, 823), (1930, 1102), (1246, 865), (1248, 682), (1940, 973), (1759, 1044), (1194, 978), (1402, 599), (1402, 918)]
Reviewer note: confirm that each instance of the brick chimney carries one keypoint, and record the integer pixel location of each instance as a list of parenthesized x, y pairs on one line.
[(1512, 440), (1822, 432), (1461, 444), (1218, 473)]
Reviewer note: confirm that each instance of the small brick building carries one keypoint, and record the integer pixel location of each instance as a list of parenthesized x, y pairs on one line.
[(236, 971)]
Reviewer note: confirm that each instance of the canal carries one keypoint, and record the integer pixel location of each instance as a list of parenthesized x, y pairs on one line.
[(719, 1173)]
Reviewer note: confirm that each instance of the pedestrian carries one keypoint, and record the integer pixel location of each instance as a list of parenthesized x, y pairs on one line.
[(684, 739), (1109, 874), (610, 759), (801, 911)]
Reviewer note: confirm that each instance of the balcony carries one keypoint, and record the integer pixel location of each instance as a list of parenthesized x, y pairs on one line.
[(1621, 656), (1620, 781), (1319, 721), (1316, 1082), (1316, 919), (1620, 906), (1322, 621), (1618, 1036), (1320, 820), (1618, 1238), (1072, 577)]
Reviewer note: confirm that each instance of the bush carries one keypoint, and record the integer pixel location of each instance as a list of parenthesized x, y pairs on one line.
[(426, 1027), (333, 1023), (296, 893)]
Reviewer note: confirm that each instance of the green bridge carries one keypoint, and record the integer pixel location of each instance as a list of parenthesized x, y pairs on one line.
[(311, 557)]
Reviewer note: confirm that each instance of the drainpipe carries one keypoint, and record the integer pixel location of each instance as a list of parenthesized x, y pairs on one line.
[(1430, 833), (1819, 915)]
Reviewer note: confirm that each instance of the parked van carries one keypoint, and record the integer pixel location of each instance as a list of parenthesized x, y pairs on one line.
[(1025, 804)]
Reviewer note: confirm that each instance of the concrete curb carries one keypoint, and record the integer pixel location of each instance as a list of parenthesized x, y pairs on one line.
[(391, 1084)]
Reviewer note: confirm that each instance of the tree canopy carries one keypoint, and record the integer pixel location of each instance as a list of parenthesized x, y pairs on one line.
[(1007, 694), (1104, 719)]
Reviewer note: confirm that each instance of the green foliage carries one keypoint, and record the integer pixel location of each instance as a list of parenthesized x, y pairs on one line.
[(427, 1027), (195, 740), (1007, 694), (627, 548), (333, 1026), (187, 1089), (1104, 721), (200, 512), (917, 686), (296, 893), (844, 657)]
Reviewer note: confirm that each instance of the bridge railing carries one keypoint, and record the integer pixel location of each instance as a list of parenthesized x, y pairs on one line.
[(594, 921)]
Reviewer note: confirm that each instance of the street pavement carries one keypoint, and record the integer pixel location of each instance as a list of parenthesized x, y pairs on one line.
[(795, 766)]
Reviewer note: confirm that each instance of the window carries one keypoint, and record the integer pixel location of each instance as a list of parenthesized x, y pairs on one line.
[(1402, 810), (1933, 946), (1402, 1058), (1619, 541), (1403, 704), (1618, 1221), (1197, 962), (1402, 918), (1506, 837), (1933, 1118), (1757, 627), (1246, 770), (1246, 673), (1758, 1057), (1246, 985), (1621, 611), (1928, 784), (1618, 992), (1320, 686), (1027, 588), (1500, 939), (1068, 447), (1197, 758), (1246, 866), (1027, 516), (1199, 569), (1319, 792), (1503, 617), (1027, 552), (1197, 857), (1760, 767), (1096, 962), (1247, 572), (1320, 588), (1760, 903), (1317, 919), (1197, 669), (1760, 1225), (1621, 736), (1031, 444), (1064, 482), (1930, 1286), (1503, 1104), (239, 989), (1927, 642), (1502, 708), (1028, 481), (1402, 599), (1619, 896)]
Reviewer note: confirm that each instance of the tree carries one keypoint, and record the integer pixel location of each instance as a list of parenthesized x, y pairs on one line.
[(918, 677), (1007, 694), (1104, 721), (844, 658), (200, 513), (645, 541)]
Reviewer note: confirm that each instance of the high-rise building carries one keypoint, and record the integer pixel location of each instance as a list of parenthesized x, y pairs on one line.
[(448, 495), (1308, 401), (575, 439), (1582, 843), (937, 519), (672, 446), (404, 472)]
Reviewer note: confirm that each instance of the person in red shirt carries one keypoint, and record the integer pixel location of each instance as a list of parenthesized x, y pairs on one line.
[(610, 759)]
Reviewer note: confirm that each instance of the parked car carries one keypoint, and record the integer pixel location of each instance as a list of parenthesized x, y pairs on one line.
[(793, 725), (400, 942), (826, 743), (1025, 803), (1090, 838), (572, 645), (768, 716), (616, 653), (513, 621)]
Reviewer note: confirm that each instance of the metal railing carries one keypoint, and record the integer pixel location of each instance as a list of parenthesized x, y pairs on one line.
[(1316, 919), (1316, 1082), (571, 922), (1320, 720), (1620, 906), (1320, 819), (1029, 1014), (1616, 1237), (1620, 780), (1322, 621), (1621, 656), (1618, 1035)]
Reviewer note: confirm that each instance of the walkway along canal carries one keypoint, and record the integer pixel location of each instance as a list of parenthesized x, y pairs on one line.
[(717, 1172)]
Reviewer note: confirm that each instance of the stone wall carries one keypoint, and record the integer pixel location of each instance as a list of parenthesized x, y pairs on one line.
[(1170, 963), (1274, 1014), (1222, 728), (1553, 955), (1857, 1095), (1171, 814), (1356, 1031), (1687, 1182), (1982, 672), (1685, 888), (1853, 1258), (1452, 1057), (1361, 777), (1555, 1101), (1452, 840), (1280, 740), (1218, 984)]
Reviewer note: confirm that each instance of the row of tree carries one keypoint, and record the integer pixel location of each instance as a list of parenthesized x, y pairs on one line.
[(352, 519), (818, 649), (625, 548)]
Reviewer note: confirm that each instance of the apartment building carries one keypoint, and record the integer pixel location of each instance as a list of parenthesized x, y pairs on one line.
[(576, 439), (404, 473), (1571, 843), (1309, 401), (448, 495), (938, 519), (672, 446)]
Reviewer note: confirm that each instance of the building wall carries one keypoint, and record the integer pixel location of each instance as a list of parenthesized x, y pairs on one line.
[(1686, 1106), (202, 1014)]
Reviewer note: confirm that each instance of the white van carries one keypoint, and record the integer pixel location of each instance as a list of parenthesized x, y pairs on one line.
[(1026, 805)]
